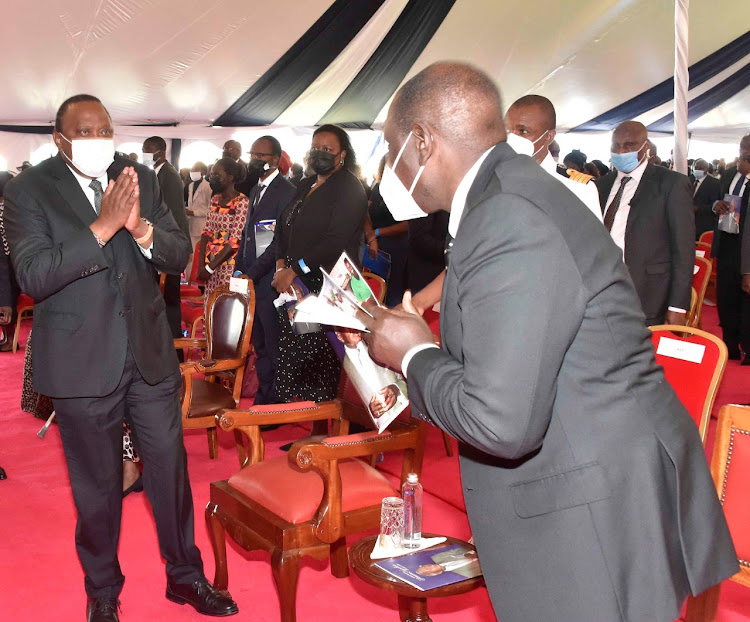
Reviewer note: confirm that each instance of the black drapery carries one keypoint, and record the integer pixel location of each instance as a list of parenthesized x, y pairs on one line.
[(364, 98), (289, 77)]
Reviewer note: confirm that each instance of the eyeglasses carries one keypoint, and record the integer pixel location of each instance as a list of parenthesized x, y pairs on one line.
[(258, 155)]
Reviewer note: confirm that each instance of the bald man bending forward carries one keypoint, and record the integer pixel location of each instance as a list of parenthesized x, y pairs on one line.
[(585, 480)]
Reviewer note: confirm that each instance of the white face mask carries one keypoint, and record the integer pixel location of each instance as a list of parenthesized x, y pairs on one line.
[(91, 156), (148, 160), (524, 146), (195, 175), (398, 199)]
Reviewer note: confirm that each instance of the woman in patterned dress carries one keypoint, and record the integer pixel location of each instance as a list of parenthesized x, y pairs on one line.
[(224, 224)]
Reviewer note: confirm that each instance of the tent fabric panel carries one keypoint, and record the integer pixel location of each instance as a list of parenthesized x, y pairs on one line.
[(328, 86), (663, 92), (709, 100), (296, 70), (365, 97)]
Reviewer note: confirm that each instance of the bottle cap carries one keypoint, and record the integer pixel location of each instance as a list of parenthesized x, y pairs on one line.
[(412, 478)]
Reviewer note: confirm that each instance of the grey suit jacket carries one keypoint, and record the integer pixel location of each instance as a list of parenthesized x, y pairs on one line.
[(659, 239), (584, 477)]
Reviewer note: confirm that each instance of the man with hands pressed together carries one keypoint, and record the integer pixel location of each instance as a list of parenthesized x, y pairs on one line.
[(87, 229), (584, 477)]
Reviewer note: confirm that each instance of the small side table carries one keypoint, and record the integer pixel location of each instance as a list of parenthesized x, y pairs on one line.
[(412, 603)]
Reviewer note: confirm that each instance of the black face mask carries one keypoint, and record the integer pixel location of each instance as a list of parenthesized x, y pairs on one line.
[(216, 186), (258, 167), (322, 162)]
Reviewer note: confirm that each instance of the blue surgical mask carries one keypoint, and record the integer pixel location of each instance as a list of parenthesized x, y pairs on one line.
[(698, 174), (627, 162)]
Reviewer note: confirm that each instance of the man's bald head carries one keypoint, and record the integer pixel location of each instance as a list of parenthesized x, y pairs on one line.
[(445, 118), (460, 102), (629, 133), (232, 149)]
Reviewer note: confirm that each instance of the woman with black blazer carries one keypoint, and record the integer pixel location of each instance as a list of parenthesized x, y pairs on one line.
[(325, 218)]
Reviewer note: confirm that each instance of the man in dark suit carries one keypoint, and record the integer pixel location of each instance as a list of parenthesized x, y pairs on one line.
[(87, 230), (233, 149), (706, 191), (731, 248), (172, 188), (268, 199), (584, 477), (648, 210)]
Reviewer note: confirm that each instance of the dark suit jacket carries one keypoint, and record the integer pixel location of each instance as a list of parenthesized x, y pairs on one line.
[(91, 303), (7, 299), (703, 201), (172, 189), (659, 239), (276, 197), (426, 254), (726, 181), (579, 465)]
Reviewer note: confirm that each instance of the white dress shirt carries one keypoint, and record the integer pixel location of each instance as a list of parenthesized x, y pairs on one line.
[(89, 192), (587, 193), (698, 184), (458, 205), (621, 218), (158, 168), (735, 179), (264, 183)]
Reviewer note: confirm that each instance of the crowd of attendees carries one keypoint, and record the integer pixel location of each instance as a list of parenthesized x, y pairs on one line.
[(322, 207)]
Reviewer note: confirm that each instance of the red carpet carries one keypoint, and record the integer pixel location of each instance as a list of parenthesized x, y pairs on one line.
[(41, 577)]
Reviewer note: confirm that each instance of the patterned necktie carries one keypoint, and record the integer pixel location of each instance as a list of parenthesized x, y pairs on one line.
[(256, 198), (98, 194), (609, 218), (738, 186), (448, 249)]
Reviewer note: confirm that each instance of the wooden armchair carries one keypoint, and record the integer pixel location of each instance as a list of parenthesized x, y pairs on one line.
[(229, 325), (730, 469), (307, 502)]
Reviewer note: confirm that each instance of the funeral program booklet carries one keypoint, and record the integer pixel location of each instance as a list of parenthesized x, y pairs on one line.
[(435, 567), (382, 390)]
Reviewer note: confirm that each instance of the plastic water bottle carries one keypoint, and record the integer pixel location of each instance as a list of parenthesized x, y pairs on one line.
[(412, 495)]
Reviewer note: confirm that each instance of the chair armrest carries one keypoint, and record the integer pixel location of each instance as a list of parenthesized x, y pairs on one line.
[(186, 342), (296, 412), (306, 455), (323, 457), (210, 366)]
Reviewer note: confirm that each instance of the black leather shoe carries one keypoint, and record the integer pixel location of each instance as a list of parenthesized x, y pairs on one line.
[(2, 473), (102, 610), (746, 360), (734, 354), (203, 597)]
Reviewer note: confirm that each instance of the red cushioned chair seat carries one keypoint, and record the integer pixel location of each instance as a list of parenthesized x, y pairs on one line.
[(190, 291), (295, 495), (190, 313), (24, 301)]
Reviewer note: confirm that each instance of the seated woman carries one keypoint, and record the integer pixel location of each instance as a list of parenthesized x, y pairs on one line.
[(325, 218), (224, 224)]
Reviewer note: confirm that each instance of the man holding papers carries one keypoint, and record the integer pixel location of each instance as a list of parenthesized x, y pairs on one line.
[(584, 477)]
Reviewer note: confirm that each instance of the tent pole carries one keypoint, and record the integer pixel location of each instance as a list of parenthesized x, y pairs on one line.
[(681, 84)]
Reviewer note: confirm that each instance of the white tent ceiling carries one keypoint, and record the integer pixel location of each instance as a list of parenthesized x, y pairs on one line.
[(187, 61)]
